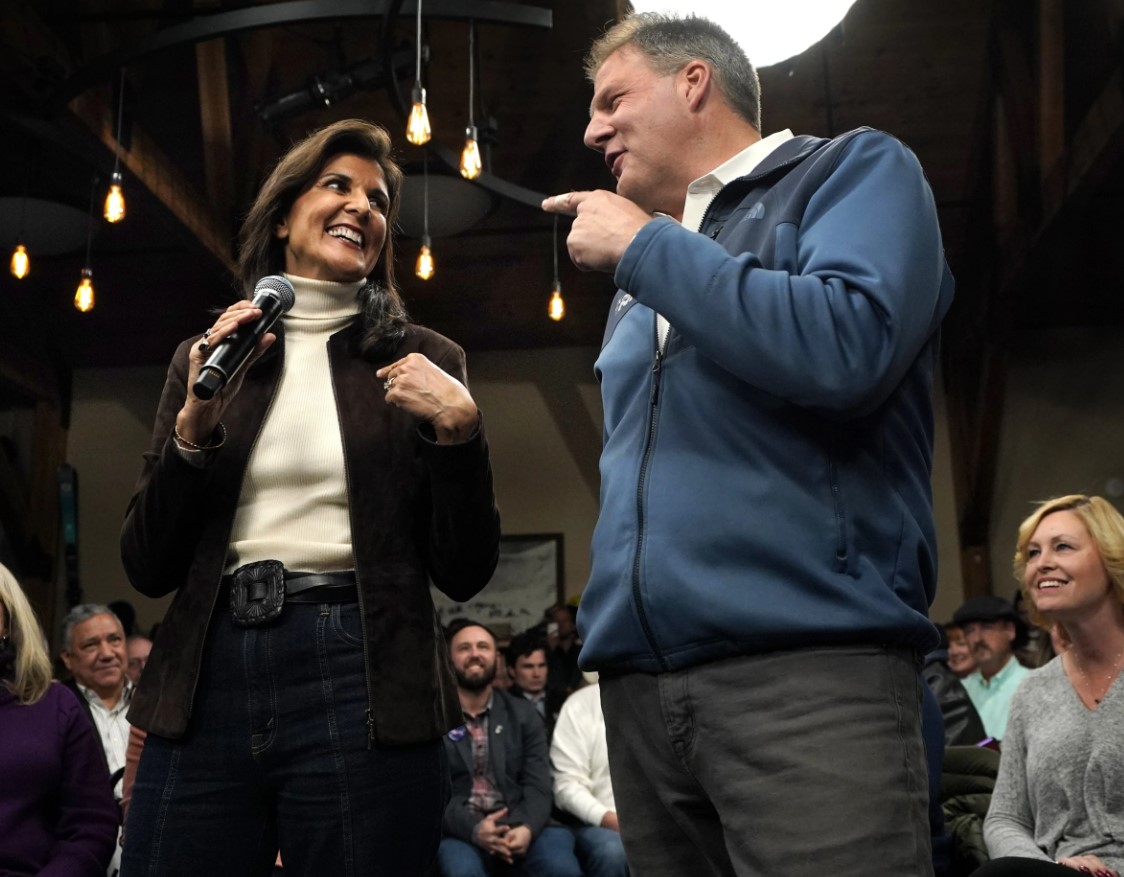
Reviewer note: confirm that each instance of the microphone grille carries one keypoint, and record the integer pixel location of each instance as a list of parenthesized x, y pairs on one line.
[(281, 287)]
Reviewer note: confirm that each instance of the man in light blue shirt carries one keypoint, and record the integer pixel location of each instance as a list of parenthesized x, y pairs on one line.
[(993, 631)]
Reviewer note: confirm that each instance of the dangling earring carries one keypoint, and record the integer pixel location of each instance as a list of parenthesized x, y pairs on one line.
[(4, 639)]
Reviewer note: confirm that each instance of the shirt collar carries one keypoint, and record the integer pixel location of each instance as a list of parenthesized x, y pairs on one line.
[(94, 699), (487, 708), (701, 191), (1003, 675)]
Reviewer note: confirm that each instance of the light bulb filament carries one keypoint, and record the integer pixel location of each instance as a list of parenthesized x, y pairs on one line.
[(425, 267), (471, 165), (417, 128), (115, 200), (84, 295), (557, 308), (21, 262)]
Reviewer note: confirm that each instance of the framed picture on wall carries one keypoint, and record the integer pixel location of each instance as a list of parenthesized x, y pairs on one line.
[(528, 581)]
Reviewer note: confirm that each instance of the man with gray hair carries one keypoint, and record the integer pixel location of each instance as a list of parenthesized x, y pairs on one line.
[(765, 553), (93, 650)]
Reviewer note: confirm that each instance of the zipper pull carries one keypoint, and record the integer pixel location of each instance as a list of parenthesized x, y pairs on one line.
[(656, 364), (370, 729)]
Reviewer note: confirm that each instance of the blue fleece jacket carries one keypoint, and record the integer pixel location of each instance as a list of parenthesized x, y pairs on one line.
[(765, 480)]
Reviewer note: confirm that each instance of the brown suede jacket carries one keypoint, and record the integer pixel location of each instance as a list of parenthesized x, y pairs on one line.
[(418, 510)]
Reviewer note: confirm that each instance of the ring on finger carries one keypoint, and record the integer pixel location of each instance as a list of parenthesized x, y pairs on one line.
[(388, 383), (208, 333)]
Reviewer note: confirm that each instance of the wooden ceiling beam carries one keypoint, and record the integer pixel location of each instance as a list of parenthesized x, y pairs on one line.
[(148, 165), (1051, 84), (1018, 94), (1024, 213), (1096, 148), (214, 112)]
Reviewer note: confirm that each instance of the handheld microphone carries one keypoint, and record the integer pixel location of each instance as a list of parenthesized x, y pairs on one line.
[(274, 295)]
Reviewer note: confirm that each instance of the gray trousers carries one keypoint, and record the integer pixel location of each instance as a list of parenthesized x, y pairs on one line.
[(786, 764)]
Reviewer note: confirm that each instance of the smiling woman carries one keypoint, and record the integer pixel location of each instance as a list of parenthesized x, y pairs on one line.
[(336, 229), (1060, 789), (296, 696)]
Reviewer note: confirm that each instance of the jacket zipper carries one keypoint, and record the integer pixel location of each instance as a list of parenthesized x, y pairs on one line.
[(653, 408), (706, 215), (358, 584), (249, 454), (653, 403)]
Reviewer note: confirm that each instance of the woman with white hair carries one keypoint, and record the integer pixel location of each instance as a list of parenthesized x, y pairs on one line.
[(57, 815)]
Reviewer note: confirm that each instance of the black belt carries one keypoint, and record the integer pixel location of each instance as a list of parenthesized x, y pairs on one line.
[(309, 587)]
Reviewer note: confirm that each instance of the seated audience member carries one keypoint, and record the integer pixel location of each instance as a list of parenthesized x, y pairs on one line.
[(1058, 804), (579, 760), (994, 631), (137, 648), (967, 781), (527, 669), (562, 637), (57, 815), (961, 722), (497, 815), (960, 659), (94, 653)]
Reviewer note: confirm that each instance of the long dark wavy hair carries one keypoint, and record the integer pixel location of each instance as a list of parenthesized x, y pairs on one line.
[(261, 252)]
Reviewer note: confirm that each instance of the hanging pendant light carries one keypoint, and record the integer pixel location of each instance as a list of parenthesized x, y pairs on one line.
[(418, 131), (20, 266), (556, 309), (84, 294), (115, 198), (471, 165), (425, 267)]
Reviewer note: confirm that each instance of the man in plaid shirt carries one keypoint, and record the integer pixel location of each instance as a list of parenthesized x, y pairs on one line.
[(500, 773)]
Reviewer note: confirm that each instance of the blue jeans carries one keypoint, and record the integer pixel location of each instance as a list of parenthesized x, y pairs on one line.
[(276, 757), (551, 854), (600, 851)]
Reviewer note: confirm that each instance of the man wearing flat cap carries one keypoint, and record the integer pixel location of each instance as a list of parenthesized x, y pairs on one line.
[(993, 630)]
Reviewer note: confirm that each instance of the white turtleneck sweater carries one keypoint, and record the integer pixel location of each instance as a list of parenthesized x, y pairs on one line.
[(294, 506)]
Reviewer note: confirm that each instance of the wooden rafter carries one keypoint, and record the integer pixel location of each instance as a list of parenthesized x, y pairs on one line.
[(146, 163)]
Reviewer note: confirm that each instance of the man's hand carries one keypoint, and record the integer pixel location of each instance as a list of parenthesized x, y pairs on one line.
[(518, 841), (609, 820), (490, 835), (604, 227)]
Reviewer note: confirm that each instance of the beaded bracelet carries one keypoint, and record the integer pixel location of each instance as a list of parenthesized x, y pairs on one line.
[(194, 447)]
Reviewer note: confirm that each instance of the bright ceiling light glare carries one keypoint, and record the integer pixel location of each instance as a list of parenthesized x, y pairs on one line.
[(769, 32)]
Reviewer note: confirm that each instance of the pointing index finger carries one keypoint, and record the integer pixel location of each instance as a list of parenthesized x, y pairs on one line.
[(566, 203)]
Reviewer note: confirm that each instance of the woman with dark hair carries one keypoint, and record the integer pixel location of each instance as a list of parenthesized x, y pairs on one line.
[(57, 815), (299, 686), (1059, 796)]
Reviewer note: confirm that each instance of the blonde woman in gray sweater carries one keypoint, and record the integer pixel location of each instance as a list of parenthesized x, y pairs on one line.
[(1058, 804)]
